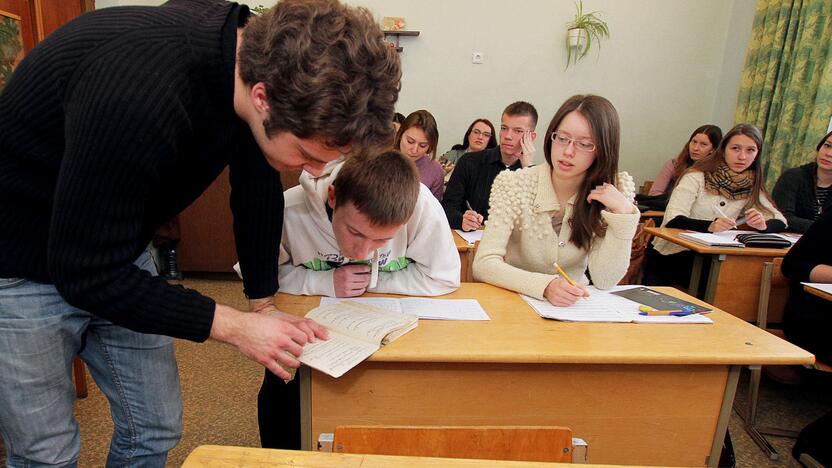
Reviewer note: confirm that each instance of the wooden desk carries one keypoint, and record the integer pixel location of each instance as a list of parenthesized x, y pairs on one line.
[(652, 214), (466, 257), (216, 456), (733, 282), (638, 394), (817, 292)]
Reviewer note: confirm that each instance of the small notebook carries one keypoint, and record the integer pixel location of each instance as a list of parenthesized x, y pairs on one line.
[(356, 331), (602, 306)]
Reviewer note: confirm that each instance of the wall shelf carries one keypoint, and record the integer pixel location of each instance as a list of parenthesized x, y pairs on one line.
[(398, 34)]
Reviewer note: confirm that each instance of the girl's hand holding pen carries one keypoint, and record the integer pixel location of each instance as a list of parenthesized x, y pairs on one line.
[(563, 291)]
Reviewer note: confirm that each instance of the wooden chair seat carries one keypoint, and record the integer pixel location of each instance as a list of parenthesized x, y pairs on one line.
[(526, 443)]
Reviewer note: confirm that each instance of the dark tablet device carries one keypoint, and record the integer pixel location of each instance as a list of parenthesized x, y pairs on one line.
[(657, 300)]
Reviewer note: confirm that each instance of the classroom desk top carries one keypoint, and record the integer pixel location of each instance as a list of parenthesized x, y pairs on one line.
[(672, 235), (516, 334), (817, 292), (222, 456), (462, 245), (652, 214)]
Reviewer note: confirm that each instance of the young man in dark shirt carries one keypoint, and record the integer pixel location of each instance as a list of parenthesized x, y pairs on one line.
[(466, 196), (108, 128)]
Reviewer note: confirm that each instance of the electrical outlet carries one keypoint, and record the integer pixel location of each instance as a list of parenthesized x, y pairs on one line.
[(477, 57)]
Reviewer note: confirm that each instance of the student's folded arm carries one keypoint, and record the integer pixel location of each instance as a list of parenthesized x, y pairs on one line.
[(434, 260), (96, 231), (682, 199), (785, 195), (300, 280), (777, 222), (489, 264), (453, 201), (609, 256)]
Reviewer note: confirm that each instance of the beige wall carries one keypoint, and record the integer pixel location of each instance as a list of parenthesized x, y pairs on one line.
[(669, 65)]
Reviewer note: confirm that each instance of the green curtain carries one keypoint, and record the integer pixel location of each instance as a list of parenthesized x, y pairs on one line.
[(786, 85)]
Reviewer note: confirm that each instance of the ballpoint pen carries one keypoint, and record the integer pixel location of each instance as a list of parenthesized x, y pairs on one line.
[(722, 213), (685, 310)]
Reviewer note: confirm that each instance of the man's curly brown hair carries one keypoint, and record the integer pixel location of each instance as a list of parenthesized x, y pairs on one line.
[(328, 72)]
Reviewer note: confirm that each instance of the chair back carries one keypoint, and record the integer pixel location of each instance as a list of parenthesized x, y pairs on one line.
[(518, 443), (645, 187), (635, 272)]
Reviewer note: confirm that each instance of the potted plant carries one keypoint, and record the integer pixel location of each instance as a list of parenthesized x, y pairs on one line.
[(581, 31)]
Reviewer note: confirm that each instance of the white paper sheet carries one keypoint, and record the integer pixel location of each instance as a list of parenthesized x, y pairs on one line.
[(470, 236), (825, 287), (424, 308)]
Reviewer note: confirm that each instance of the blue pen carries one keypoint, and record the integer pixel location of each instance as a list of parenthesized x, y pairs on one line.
[(684, 311)]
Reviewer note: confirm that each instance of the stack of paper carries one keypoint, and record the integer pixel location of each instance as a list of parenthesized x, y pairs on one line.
[(602, 306), (717, 239), (470, 236)]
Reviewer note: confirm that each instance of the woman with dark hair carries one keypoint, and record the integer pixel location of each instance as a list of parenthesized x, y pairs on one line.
[(417, 139), (712, 196), (479, 136), (576, 210), (803, 193), (702, 143)]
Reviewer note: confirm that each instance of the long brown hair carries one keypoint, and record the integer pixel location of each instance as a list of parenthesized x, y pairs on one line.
[(606, 129), (424, 121), (684, 161), (758, 189)]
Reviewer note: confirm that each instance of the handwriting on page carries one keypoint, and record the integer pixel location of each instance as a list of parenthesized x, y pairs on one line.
[(354, 323), (336, 355)]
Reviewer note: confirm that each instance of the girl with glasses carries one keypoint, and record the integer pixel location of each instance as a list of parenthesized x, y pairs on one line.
[(479, 136), (576, 210)]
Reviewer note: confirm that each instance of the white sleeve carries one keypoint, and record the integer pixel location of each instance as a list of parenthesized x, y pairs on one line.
[(683, 196), (297, 279)]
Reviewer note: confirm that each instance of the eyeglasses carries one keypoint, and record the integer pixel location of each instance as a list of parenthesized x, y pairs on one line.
[(581, 145), (478, 132)]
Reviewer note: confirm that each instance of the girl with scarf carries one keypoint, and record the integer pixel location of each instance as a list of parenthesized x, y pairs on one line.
[(716, 194)]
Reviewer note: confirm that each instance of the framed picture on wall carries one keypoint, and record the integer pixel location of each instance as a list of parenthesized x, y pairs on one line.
[(11, 45)]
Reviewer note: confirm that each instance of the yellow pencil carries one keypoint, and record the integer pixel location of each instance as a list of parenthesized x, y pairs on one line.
[(566, 277), (563, 274)]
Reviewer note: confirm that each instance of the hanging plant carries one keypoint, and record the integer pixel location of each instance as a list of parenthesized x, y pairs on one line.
[(581, 32)]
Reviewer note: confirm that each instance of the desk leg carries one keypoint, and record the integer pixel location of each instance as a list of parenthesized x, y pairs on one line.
[(713, 278), (305, 376), (724, 414), (695, 274)]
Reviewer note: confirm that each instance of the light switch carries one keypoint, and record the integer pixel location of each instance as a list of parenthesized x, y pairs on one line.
[(476, 57)]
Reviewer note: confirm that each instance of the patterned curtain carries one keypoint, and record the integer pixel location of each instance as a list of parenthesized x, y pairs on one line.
[(786, 85)]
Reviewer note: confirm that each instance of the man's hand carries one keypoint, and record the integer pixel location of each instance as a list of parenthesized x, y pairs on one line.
[(267, 306), (272, 341), (562, 294), (471, 221), (351, 280), (527, 149)]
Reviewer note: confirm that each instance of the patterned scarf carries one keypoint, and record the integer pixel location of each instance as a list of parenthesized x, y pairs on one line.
[(729, 184)]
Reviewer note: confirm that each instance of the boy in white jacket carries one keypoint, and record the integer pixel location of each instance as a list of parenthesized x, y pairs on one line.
[(365, 224)]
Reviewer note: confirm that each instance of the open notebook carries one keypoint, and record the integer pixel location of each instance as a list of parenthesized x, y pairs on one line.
[(601, 306), (728, 238), (425, 308)]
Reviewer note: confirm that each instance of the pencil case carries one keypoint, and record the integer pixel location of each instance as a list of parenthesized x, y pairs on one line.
[(769, 241)]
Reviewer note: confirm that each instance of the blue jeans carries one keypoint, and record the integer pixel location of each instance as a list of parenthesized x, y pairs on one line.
[(40, 334)]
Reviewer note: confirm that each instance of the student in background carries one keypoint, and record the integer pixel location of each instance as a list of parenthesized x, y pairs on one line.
[(576, 210), (417, 139), (359, 216), (804, 193), (398, 118), (479, 136), (702, 143), (711, 197), (466, 198)]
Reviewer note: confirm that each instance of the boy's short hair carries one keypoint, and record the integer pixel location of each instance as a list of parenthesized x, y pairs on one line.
[(522, 108), (328, 72), (384, 187)]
